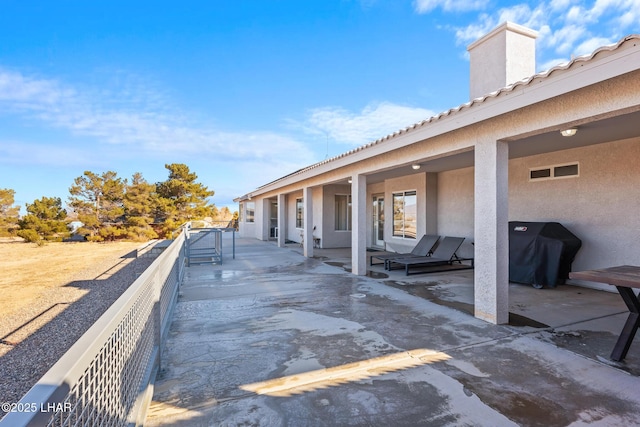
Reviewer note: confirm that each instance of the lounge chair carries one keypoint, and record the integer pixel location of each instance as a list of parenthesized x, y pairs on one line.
[(423, 248), (444, 255)]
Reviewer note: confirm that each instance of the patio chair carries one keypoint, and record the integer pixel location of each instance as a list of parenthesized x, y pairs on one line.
[(443, 255), (423, 248)]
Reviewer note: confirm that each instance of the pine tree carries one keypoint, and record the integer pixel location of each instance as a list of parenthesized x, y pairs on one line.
[(8, 213), (98, 201), (181, 198), (45, 220), (139, 203)]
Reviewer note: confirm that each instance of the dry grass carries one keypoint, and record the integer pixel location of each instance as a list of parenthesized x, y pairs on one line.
[(50, 296), (28, 271)]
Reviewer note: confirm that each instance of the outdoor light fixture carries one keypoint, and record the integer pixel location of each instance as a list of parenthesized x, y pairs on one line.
[(569, 132), (415, 166), (349, 180)]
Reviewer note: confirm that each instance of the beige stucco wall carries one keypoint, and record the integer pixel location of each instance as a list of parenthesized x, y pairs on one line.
[(500, 58), (411, 182), (318, 207), (293, 233), (246, 229), (332, 238), (455, 203), (600, 206)]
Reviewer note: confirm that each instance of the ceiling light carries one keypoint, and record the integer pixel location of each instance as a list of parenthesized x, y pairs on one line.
[(569, 132), (415, 166)]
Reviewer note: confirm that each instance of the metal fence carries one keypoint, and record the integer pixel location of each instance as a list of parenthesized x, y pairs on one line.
[(105, 378), (204, 245)]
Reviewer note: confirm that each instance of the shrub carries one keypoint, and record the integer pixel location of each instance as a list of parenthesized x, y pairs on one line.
[(30, 235)]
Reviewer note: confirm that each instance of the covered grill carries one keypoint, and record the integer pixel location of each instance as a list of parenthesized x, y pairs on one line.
[(541, 253)]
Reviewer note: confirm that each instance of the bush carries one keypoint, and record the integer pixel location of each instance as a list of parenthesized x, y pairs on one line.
[(30, 235)]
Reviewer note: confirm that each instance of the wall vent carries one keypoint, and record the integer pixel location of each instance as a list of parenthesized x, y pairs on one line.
[(568, 170)]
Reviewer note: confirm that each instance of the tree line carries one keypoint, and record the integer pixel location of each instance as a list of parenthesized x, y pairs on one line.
[(110, 208)]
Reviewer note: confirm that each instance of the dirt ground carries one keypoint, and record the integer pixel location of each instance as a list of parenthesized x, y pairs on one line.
[(28, 271), (51, 295)]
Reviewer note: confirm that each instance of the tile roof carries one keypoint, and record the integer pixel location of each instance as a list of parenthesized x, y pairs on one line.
[(521, 83)]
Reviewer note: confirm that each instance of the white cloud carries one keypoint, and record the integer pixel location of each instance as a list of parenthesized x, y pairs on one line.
[(475, 30), (625, 16), (588, 46), (520, 14), (563, 40), (559, 5), (21, 93), (357, 128), (566, 28), (137, 119), (425, 6), (630, 17), (574, 14)]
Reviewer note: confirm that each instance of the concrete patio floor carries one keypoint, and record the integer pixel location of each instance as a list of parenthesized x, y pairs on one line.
[(275, 339)]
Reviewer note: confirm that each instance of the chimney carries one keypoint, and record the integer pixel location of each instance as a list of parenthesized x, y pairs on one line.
[(504, 56)]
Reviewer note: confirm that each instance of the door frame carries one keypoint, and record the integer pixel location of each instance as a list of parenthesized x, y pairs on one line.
[(378, 221)]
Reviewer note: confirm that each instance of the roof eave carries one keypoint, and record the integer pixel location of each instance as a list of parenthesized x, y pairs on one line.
[(489, 102)]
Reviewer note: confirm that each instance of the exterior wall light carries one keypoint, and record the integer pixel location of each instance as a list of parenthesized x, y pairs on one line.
[(415, 166), (569, 132), (349, 181)]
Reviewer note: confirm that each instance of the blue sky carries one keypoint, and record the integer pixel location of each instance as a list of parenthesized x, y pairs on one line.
[(244, 91)]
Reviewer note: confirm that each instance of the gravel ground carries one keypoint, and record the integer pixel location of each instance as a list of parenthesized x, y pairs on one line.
[(34, 339)]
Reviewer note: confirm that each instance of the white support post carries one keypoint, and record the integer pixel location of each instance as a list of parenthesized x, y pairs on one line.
[(491, 288), (431, 226), (264, 213), (359, 225), (307, 195), (282, 220)]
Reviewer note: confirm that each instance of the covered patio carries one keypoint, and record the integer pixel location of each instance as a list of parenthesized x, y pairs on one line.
[(557, 146), (276, 338)]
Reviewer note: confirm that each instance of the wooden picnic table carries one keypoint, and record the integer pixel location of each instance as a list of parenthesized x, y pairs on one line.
[(624, 278)]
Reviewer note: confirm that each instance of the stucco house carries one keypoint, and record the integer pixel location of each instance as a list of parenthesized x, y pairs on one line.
[(468, 171)]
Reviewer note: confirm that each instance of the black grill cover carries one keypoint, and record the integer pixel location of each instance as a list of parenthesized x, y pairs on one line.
[(541, 253)]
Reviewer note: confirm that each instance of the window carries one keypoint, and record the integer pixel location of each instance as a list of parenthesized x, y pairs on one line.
[(343, 212), (405, 220), (249, 210), (299, 214), (553, 172)]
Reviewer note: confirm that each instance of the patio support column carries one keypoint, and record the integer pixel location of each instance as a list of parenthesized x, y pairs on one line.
[(282, 220), (307, 200), (359, 225), (432, 203), (265, 214), (491, 273)]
